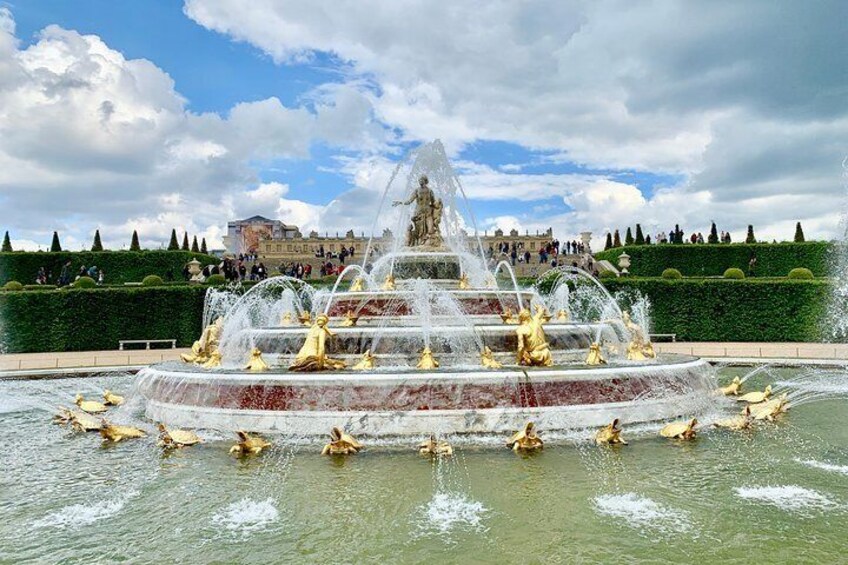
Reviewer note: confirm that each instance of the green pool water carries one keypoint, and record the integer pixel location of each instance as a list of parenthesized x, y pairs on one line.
[(776, 494)]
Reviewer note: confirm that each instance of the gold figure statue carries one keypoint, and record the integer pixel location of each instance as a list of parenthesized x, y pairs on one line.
[(256, 362), (431, 446), (249, 444), (463, 282), (634, 351), (350, 319), (680, 430), (595, 356), (427, 360), (112, 399), (733, 388), (366, 363), (770, 409), (90, 406), (508, 317), (648, 351), (389, 283), (487, 359), (313, 353), (533, 349), (305, 318), (562, 316), (543, 313), (358, 285), (113, 433), (286, 319), (78, 420), (525, 439), (756, 397), (174, 439), (640, 348), (610, 435), (736, 423), (341, 444), (208, 342), (214, 360)]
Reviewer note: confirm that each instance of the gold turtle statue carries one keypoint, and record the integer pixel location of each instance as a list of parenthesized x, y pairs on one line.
[(313, 353), (733, 388), (595, 356), (115, 433), (175, 439), (432, 446), (256, 363), (249, 444), (350, 319), (525, 439), (112, 399), (756, 397), (533, 348), (487, 359), (610, 434), (562, 315), (90, 406), (680, 430), (771, 409), (208, 342), (427, 360), (358, 285), (367, 362), (341, 443), (389, 283), (78, 420), (739, 422), (305, 318)]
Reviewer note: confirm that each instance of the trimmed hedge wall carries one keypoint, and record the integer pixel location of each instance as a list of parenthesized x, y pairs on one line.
[(119, 266), (95, 319), (773, 259), (734, 310)]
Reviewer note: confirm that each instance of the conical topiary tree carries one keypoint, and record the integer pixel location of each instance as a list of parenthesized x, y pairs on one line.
[(628, 237), (648, 239), (7, 244), (608, 244), (96, 245), (713, 238), (616, 239), (203, 248), (640, 237), (678, 234), (799, 234), (194, 246), (750, 237), (185, 246), (55, 246), (173, 245), (134, 245)]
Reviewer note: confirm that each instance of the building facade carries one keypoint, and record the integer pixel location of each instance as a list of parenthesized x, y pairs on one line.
[(245, 237)]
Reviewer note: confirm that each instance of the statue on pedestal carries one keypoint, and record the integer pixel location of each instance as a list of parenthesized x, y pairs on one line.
[(425, 226)]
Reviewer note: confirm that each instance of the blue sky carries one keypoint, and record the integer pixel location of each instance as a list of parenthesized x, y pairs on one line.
[(549, 113)]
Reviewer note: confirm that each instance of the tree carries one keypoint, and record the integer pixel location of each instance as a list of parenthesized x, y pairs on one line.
[(799, 234), (713, 234), (7, 244), (203, 248), (55, 246), (134, 245), (608, 244), (750, 238), (185, 246), (96, 245), (648, 240), (640, 237), (678, 234), (616, 239), (173, 245), (628, 237), (194, 247)]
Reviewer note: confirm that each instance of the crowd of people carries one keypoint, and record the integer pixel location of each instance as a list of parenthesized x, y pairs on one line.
[(677, 235), (548, 252), (68, 276)]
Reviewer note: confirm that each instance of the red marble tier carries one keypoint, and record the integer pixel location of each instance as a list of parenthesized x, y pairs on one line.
[(395, 307)]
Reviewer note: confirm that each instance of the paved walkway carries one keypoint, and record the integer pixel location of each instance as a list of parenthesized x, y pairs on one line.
[(737, 351)]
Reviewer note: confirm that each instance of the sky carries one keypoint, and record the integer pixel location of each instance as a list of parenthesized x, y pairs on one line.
[(594, 115)]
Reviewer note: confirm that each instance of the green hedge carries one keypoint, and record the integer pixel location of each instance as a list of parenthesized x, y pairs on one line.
[(734, 310), (773, 259), (95, 319), (118, 266)]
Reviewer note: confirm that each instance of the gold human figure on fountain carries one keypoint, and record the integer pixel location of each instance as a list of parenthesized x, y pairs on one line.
[(203, 348), (424, 229), (533, 348), (313, 354)]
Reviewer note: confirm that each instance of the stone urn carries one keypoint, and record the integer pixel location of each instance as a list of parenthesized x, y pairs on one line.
[(624, 263), (194, 269)]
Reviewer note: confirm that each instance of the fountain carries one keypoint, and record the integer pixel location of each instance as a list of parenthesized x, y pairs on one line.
[(399, 353)]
